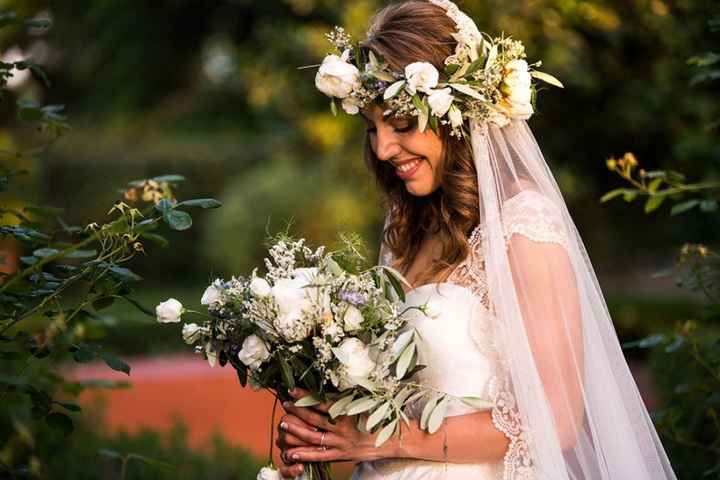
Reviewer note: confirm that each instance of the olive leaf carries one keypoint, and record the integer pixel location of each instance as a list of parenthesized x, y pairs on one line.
[(385, 433)]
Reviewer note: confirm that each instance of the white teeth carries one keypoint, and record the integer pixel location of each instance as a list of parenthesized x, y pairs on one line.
[(408, 166)]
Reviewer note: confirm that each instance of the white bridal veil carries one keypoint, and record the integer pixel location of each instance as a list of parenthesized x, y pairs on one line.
[(568, 401), (578, 404)]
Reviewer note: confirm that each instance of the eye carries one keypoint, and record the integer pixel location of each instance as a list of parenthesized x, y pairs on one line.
[(405, 129)]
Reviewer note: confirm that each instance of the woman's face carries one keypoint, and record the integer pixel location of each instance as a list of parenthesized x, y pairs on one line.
[(416, 156)]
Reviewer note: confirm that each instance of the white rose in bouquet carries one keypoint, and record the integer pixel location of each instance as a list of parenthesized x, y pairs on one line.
[(268, 473), (336, 77), (355, 357), (260, 287), (212, 294), (254, 352), (293, 302), (351, 105), (440, 101), (421, 76), (169, 311), (352, 319), (192, 332), (516, 89)]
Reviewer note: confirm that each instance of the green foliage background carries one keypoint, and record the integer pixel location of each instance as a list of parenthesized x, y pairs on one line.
[(211, 90)]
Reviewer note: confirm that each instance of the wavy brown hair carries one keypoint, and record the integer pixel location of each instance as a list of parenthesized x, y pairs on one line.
[(402, 33)]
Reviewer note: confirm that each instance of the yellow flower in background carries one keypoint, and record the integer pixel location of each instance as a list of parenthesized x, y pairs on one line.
[(325, 131)]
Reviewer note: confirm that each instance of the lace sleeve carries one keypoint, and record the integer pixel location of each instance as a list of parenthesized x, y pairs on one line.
[(533, 215)]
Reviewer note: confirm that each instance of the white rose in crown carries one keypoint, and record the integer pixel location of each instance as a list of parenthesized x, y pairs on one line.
[(455, 116), (440, 101), (254, 352), (268, 473), (422, 76), (212, 294), (336, 77), (192, 332), (516, 90), (169, 311), (355, 357), (352, 319)]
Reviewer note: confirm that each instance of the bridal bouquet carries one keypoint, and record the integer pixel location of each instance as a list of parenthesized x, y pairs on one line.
[(322, 321)]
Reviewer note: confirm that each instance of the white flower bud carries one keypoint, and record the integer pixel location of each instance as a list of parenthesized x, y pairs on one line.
[(268, 473), (169, 311), (352, 319), (440, 101), (212, 294), (192, 332), (254, 352)]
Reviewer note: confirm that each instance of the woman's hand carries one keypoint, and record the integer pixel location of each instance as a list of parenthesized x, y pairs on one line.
[(309, 435)]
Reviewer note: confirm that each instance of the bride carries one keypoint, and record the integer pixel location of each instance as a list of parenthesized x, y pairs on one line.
[(478, 227)]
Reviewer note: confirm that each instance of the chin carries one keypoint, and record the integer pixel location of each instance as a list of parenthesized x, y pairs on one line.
[(418, 189)]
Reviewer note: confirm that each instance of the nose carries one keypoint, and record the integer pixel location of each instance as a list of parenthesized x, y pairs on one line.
[(386, 144)]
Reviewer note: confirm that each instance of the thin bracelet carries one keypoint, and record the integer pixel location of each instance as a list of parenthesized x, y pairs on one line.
[(445, 447)]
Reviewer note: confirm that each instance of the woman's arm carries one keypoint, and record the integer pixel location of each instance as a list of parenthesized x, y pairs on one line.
[(470, 438)]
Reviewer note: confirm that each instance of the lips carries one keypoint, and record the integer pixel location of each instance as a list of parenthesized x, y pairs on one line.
[(407, 169)]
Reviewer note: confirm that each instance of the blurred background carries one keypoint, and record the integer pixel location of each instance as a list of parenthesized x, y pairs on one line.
[(211, 90)]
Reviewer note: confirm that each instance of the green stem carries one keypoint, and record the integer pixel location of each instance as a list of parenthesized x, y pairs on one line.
[(123, 467), (272, 430)]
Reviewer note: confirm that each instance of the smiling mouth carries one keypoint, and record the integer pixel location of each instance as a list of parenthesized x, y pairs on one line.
[(405, 167)]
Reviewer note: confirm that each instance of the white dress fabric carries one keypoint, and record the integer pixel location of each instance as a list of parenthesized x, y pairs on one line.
[(461, 355)]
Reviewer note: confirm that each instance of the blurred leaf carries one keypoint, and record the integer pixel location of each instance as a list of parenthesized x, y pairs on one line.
[(69, 406), (45, 252), (84, 353), (708, 205), (151, 461), (115, 363), (125, 274), (655, 184), (684, 206), (170, 178), (61, 422), (104, 302), (654, 202), (163, 206), (177, 219), (200, 202)]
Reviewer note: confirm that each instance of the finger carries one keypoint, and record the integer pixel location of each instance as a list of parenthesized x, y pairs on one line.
[(309, 416), (297, 393), (328, 439), (290, 470), (288, 440), (315, 454), (295, 420)]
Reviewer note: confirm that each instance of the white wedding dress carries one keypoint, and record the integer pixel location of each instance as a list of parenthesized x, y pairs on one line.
[(460, 354)]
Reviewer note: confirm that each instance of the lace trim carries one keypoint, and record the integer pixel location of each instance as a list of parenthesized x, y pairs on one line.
[(535, 216), (518, 463)]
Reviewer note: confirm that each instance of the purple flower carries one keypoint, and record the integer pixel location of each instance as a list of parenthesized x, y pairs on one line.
[(353, 298)]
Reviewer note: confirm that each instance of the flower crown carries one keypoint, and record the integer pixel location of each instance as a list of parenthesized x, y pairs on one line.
[(487, 79)]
